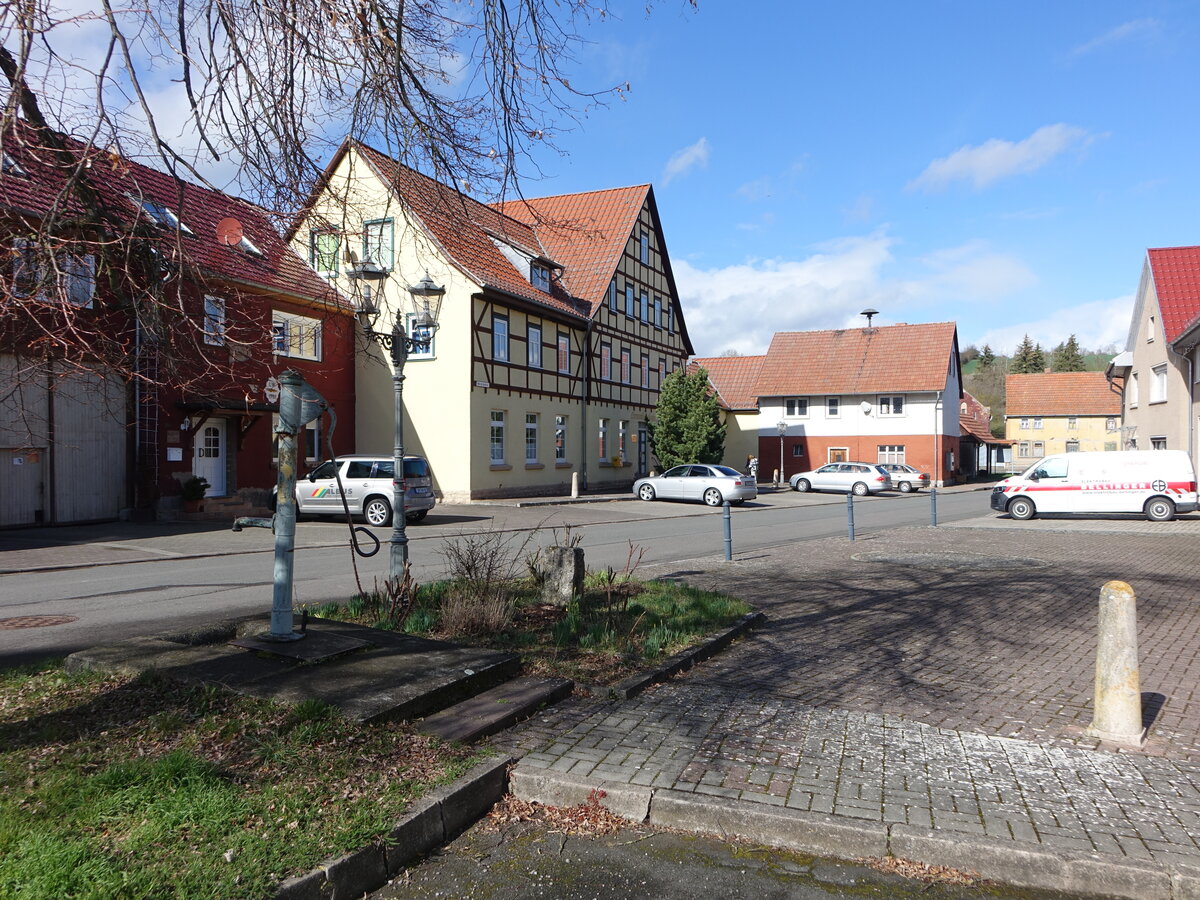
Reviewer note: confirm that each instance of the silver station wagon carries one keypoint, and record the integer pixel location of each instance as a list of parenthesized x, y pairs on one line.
[(367, 481), (710, 484), (856, 477)]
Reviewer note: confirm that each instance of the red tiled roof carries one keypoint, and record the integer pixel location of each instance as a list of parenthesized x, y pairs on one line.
[(1060, 394), (733, 378), (465, 229), (858, 360), (1176, 273), (976, 421), (122, 184), (586, 232)]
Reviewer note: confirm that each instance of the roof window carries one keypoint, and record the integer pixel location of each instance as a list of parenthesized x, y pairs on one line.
[(163, 216), (10, 167), (247, 246), (539, 277)]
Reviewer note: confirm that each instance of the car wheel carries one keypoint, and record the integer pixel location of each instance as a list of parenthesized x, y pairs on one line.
[(906, 487), (802, 485), (1022, 508), (860, 489), (378, 512), (646, 492), (417, 516), (712, 497), (1159, 509)]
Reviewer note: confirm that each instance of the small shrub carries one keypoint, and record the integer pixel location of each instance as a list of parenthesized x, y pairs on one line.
[(474, 611)]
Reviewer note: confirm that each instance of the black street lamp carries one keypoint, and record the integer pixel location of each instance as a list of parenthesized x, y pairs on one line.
[(368, 280)]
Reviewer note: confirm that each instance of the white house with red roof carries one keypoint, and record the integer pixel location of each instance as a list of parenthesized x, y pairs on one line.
[(875, 394), (559, 321), (158, 370), (1159, 370)]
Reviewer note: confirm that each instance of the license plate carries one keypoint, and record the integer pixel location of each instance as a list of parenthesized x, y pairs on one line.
[(421, 491)]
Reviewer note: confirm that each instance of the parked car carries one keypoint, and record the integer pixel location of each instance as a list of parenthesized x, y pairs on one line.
[(367, 481), (860, 478), (905, 478), (711, 484)]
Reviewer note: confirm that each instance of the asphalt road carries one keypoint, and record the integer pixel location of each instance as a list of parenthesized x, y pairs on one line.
[(172, 588)]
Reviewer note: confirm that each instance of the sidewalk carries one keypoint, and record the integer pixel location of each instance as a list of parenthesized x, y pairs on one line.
[(924, 694)]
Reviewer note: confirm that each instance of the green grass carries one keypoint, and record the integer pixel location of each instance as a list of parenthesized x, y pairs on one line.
[(619, 626), (120, 787)]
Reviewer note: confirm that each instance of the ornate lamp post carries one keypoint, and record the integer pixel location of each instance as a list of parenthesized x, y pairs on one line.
[(368, 281), (782, 429)]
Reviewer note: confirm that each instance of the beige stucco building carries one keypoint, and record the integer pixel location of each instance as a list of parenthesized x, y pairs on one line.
[(559, 321), (1060, 412), (1159, 371)]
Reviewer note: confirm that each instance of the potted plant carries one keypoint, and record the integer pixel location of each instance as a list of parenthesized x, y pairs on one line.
[(617, 462), (193, 492)]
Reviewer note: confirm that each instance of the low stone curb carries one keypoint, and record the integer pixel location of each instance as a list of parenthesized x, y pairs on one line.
[(685, 659), (1018, 863), (437, 818)]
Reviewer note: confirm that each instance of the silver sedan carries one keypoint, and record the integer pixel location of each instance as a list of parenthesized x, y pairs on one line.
[(711, 484), (859, 478)]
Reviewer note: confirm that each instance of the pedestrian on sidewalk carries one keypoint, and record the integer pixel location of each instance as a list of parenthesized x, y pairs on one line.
[(752, 466)]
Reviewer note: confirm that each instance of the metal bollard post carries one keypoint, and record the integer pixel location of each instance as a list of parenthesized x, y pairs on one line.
[(850, 512), (728, 531), (933, 506), (1117, 710)]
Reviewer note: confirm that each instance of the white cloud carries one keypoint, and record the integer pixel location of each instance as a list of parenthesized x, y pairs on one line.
[(1137, 28), (739, 307), (995, 159), (1095, 324), (686, 159)]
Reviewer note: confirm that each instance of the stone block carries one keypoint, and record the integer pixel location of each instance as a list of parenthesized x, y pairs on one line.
[(559, 789), (561, 570), (1024, 865), (418, 832), (465, 802), (357, 873)]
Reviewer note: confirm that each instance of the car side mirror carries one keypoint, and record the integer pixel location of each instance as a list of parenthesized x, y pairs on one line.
[(1035, 476), (312, 476)]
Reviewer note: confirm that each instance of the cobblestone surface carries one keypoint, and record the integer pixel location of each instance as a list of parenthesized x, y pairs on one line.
[(950, 696)]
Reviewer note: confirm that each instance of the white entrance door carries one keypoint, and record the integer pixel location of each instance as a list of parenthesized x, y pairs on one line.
[(209, 462)]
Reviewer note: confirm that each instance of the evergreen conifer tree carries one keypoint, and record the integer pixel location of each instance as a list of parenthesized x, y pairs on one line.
[(689, 427), (986, 357), (1067, 356)]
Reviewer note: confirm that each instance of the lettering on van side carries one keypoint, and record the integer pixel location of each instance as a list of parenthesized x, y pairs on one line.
[(1121, 486)]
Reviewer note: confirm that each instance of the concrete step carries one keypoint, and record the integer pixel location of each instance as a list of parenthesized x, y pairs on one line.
[(496, 709)]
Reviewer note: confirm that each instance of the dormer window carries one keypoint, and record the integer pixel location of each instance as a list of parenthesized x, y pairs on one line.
[(10, 167), (539, 276), (163, 216)]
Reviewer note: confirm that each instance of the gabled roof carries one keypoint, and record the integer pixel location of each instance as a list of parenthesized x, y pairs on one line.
[(586, 232), (1176, 274), (467, 231), (976, 421), (1060, 394), (733, 378), (123, 184), (859, 360)]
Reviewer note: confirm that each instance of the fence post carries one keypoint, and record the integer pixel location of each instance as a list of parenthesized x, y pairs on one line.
[(1117, 709), (725, 514), (850, 513), (933, 506)]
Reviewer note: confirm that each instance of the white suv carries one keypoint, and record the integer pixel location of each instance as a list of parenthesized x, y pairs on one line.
[(367, 481)]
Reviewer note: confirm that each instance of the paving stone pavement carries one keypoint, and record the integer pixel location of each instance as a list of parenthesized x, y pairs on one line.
[(937, 679)]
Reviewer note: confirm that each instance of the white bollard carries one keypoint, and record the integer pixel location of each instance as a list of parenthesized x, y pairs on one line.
[(574, 485), (1117, 710)]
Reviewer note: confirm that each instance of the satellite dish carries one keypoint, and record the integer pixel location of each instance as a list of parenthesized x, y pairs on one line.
[(865, 406), (229, 232)]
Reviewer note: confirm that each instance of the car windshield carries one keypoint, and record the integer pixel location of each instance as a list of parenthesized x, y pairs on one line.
[(324, 470)]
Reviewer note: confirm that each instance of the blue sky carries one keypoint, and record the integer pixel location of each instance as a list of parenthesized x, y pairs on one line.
[(1003, 165)]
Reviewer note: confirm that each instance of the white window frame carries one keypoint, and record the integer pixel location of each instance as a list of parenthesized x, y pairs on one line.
[(645, 370), (625, 365), (564, 353), (531, 438), (891, 453), (644, 307), (1158, 384), (622, 435), (1037, 423), (795, 407), (309, 451), (76, 274), (629, 300), (374, 246), (833, 408), (1110, 424), (316, 255), (499, 338), (163, 216), (891, 405), (533, 341), (295, 336), (214, 320), (426, 336), (496, 436), (1024, 423), (658, 312), (602, 440), (539, 276), (644, 248), (613, 304), (606, 362), (1133, 390), (1158, 442), (560, 439), (1072, 423)]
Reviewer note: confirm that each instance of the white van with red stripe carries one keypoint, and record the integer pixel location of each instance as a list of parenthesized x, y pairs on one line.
[(1156, 483)]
